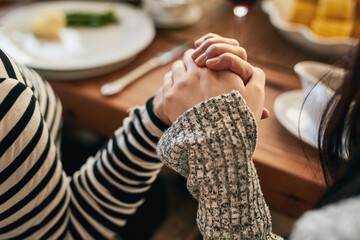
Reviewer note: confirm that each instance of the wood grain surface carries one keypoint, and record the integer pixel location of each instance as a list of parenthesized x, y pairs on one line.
[(289, 173)]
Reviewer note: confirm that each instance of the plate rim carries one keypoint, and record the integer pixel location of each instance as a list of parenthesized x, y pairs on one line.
[(42, 66), (305, 137)]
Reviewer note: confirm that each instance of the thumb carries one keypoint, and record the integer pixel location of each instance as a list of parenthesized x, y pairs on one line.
[(233, 63)]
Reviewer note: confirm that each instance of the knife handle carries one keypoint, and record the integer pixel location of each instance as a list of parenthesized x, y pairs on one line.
[(116, 86)]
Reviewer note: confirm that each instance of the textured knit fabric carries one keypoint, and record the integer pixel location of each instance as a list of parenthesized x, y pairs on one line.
[(37, 199), (337, 221), (212, 145)]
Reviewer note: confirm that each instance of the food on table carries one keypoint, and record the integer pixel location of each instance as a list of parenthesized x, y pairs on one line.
[(328, 18), (50, 24), (304, 12), (91, 19), (332, 27), (309, 1), (336, 9)]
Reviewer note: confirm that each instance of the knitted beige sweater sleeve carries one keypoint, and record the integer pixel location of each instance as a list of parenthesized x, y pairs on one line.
[(212, 146)]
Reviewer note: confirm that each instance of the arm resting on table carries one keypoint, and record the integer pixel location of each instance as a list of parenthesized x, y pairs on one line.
[(212, 145)]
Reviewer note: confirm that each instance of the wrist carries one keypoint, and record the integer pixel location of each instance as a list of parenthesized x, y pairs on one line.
[(158, 110), (156, 114)]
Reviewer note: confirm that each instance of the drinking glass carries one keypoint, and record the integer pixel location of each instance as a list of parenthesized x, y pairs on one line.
[(240, 10)]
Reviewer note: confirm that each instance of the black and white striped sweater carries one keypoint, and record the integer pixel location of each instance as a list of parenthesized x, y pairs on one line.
[(37, 199)]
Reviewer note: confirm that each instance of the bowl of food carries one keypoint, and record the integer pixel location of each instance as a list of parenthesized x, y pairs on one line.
[(328, 28)]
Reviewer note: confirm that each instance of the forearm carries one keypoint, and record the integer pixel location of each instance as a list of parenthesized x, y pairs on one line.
[(114, 182), (212, 145)]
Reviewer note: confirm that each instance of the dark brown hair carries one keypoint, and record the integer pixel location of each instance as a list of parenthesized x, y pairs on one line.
[(339, 137)]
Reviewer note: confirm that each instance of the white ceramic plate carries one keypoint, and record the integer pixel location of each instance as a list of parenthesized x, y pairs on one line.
[(301, 35), (83, 51), (287, 108)]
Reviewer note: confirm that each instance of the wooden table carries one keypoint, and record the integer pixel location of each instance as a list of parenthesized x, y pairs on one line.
[(289, 174)]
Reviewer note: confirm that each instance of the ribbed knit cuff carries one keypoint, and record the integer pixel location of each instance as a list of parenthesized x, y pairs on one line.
[(227, 111)]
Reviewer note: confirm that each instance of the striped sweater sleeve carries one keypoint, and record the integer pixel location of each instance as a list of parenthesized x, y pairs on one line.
[(34, 196), (212, 146), (37, 199), (113, 183)]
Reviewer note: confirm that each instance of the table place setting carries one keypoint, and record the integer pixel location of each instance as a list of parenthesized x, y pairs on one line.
[(54, 38), (80, 51)]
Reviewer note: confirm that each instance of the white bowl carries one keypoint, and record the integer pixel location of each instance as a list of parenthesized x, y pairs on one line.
[(301, 35), (173, 13)]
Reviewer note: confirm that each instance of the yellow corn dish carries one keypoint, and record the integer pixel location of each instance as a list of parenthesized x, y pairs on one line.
[(331, 27), (340, 9), (328, 18), (303, 12)]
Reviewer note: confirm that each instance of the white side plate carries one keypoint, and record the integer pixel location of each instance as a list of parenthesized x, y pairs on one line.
[(287, 108)]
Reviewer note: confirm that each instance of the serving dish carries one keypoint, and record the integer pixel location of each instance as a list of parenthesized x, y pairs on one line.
[(301, 35)]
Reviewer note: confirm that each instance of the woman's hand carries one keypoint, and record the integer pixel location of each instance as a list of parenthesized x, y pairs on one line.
[(188, 85), (220, 53)]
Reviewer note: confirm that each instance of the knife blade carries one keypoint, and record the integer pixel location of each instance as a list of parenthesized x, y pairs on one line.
[(164, 58)]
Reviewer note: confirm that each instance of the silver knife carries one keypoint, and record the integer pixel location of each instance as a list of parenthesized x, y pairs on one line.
[(154, 62)]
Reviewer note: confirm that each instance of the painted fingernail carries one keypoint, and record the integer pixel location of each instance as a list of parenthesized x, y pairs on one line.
[(195, 53), (212, 61), (197, 42), (200, 60)]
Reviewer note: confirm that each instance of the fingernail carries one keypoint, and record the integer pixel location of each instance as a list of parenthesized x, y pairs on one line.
[(197, 42), (195, 53), (200, 59), (213, 61)]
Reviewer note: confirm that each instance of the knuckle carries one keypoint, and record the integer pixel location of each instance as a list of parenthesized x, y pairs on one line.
[(181, 85), (206, 43), (226, 56), (210, 41), (167, 75), (260, 89), (176, 65), (260, 72), (212, 35), (242, 53), (213, 49), (189, 52), (248, 70), (234, 42)]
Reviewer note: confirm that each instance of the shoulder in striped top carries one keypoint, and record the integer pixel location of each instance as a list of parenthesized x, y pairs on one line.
[(37, 199)]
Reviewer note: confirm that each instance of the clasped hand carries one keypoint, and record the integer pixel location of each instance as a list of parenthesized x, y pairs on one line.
[(217, 66)]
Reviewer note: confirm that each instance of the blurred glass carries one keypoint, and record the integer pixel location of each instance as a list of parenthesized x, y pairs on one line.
[(240, 10)]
